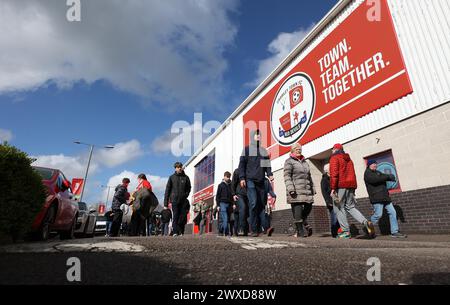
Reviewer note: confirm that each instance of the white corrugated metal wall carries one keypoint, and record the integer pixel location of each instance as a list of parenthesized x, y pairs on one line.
[(424, 37)]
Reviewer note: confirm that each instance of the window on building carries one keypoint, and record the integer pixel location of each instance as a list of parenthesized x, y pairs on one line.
[(386, 165), (204, 172)]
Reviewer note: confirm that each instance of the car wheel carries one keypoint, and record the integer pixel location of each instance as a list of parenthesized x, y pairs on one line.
[(44, 231), (69, 234)]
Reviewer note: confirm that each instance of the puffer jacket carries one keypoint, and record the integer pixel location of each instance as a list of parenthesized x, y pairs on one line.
[(342, 171), (297, 178)]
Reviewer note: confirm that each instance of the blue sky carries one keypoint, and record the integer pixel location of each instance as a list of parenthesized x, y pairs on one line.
[(128, 70)]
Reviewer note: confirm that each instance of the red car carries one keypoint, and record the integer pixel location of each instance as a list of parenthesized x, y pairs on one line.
[(60, 211)]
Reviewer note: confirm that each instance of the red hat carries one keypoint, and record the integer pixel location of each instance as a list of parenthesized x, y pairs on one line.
[(338, 146)]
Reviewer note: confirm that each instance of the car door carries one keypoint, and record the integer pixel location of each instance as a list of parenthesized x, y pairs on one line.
[(68, 206), (92, 220)]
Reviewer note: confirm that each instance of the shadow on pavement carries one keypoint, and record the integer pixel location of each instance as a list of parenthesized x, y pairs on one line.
[(440, 278), (96, 268)]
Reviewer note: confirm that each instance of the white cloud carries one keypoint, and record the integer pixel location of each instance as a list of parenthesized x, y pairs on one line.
[(280, 48), (75, 166), (122, 152), (5, 135), (72, 167), (158, 184), (171, 52)]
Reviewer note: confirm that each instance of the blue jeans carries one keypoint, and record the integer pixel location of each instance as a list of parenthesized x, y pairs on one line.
[(256, 193), (165, 228), (334, 223), (150, 229), (108, 227), (243, 213), (378, 212), (224, 210)]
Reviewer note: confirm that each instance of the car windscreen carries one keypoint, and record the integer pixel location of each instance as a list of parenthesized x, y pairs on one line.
[(101, 218), (45, 173)]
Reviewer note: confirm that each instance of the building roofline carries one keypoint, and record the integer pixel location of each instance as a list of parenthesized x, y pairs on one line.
[(318, 28)]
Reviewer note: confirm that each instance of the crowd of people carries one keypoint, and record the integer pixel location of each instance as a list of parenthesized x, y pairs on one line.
[(241, 202), (145, 220)]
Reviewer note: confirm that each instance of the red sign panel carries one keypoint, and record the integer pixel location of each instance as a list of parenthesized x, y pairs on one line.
[(204, 194), (101, 209), (77, 186), (355, 70)]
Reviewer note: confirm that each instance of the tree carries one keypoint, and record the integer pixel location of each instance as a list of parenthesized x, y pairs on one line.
[(22, 194)]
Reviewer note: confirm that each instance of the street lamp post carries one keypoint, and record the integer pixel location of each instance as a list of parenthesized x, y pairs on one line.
[(89, 163), (107, 196)]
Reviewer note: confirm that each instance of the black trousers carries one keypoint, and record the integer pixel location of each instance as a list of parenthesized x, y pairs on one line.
[(301, 211), (116, 222), (179, 218), (137, 224)]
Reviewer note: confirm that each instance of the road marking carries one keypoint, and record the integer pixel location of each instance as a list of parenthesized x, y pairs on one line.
[(111, 246), (255, 243)]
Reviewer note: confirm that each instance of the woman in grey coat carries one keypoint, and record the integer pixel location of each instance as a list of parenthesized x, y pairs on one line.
[(299, 189)]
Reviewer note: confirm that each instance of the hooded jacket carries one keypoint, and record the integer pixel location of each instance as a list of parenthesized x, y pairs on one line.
[(376, 186), (224, 193), (120, 197), (177, 189), (254, 163), (342, 171), (297, 178)]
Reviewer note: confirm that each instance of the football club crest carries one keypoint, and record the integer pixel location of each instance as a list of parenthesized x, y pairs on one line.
[(292, 109)]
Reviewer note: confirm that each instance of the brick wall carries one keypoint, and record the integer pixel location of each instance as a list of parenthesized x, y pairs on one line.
[(425, 211)]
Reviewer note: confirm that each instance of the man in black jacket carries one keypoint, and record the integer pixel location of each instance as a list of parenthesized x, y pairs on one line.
[(177, 191), (254, 164), (379, 196), (224, 200), (326, 191), (120, 197), (240, 196)]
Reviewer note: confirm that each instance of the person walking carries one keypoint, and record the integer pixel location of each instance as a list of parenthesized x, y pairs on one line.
[(142, 206), (299, 189), (202, 209), (109, 218), (241, 199), (379, 196), (326, 191), (343, 185), (177, 191), (254, 164), (121, 196), (224, 200), (166, 217), (268, 206)]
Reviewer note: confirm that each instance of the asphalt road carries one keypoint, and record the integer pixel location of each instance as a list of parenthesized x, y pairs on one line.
[(221, 261)]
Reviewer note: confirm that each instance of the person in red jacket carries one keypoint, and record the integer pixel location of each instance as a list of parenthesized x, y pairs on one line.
[(343, 185)]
